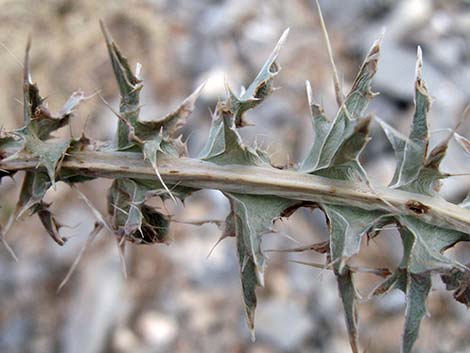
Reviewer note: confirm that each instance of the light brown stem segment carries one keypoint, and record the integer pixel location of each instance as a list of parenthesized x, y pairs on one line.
[(258, 181)]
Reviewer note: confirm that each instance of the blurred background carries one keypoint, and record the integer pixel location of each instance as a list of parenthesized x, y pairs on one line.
[(175, 299)]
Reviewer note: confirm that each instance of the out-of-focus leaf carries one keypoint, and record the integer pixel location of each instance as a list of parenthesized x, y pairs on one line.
[(4, 173), (35, 186), (155, 226), (7, 140), (49, 222), (463, 141), (458, 280), (466, 202)]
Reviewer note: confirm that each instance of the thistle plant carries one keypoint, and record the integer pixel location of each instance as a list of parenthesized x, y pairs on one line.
[(149, 159)]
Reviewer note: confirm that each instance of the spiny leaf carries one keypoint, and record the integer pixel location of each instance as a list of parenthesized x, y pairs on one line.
[(174, 121), (328, 141), (347, 226), (253, 216), (234, 150), (38, 120), (31, 98), (423, 245), (260, 88), (416, 288), (235, 106), (321, 127), (417, 291), (42, 122), (215, 143), (160, 136), (129, 86), (414, 154), (347, 292), (411, 154), (132, 219), (49, 153), (345, 164), (39, 123), (429, 175), (335, 154), (151, 137), (168, 127), (427, 244)]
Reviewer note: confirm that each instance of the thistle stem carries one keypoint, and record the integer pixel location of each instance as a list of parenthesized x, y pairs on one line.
[(255, 180)]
